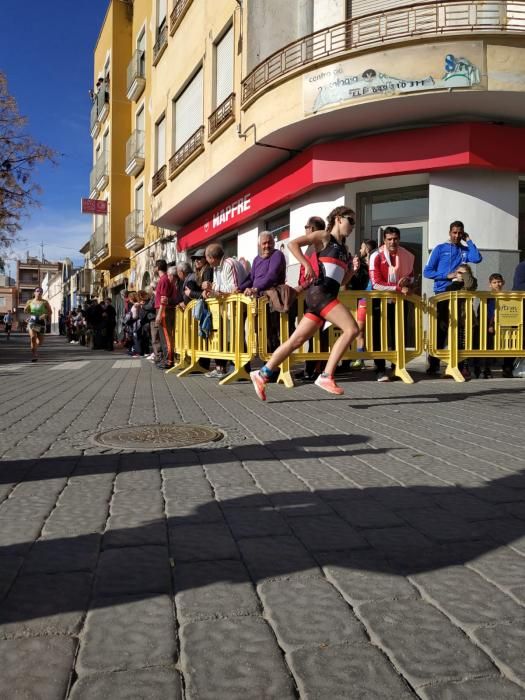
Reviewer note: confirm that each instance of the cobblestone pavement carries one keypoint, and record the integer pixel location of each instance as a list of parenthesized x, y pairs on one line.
[(364, 546)]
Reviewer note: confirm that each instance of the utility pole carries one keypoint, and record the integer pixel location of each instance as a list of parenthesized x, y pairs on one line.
[(42, 247)]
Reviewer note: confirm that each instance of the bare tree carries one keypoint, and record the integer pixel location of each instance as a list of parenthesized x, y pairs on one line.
[(19, 155)]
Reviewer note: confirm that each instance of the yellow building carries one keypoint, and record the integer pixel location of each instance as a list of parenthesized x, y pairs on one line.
[(257, 114)]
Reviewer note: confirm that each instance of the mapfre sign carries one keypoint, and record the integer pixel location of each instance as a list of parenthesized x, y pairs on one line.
[(93, 206)]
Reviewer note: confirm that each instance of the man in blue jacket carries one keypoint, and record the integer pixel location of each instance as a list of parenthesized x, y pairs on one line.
[(441, 267)]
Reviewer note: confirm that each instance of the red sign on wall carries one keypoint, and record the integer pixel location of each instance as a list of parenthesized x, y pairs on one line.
[(93, 206)]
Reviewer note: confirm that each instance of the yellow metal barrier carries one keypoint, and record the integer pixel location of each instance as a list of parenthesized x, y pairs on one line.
[(233, 336), (468, 328), (180, 340), (390, 344)]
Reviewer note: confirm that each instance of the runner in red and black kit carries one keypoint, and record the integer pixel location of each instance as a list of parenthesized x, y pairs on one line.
[(322, 303)]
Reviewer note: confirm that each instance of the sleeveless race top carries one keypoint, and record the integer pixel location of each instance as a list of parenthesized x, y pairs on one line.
[(37, 308), (333, 264)]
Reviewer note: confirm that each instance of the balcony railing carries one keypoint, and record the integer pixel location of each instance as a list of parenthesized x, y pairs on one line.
[(135, 153), (93, 182), (189, 150), (98, 247), (160, 45), (178, 12), (224, 114), (136, 76), (101, 172), (94, 124), (135, 230), (454, 17), (158, 181), (102, 102), (84, 281)]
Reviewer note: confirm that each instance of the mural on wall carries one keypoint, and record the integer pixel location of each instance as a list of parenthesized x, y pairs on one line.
[(458, 67)]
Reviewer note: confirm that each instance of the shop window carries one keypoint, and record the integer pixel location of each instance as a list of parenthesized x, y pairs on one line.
[(279, 226), (521, 229)]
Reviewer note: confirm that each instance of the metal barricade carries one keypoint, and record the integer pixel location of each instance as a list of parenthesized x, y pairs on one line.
[(233, 335), (390, 344), (181, 338), (466, 315)]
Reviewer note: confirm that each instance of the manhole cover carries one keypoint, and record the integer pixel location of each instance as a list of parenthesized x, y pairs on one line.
[(158, 436)]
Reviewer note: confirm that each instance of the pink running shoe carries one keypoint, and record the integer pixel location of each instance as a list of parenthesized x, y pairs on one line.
[(259, 384), (328, 384)]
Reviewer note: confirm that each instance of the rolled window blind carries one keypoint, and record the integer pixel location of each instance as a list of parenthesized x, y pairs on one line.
[(224, 67), (188, 111)]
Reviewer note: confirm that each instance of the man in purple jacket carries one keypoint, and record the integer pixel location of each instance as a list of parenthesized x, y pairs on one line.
[(268, 268)]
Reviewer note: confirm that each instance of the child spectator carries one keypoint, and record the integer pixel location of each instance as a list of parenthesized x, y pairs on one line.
[(496, 284), (464, 281)]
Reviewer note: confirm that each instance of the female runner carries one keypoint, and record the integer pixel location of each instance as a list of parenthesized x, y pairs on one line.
[(39, 311), (321, 300)]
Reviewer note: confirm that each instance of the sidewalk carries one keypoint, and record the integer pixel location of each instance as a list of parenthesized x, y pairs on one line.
[(364, 546)]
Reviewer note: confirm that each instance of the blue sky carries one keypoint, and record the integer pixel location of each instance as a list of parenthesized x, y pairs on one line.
[(46, 51)]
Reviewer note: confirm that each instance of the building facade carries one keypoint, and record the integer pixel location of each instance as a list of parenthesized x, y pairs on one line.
[(30, 273), (257, 114)]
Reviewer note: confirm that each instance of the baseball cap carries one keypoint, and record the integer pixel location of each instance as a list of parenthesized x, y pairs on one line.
[(201, 253)]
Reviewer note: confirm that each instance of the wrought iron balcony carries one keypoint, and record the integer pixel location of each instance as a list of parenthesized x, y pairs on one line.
[(94, 124), (179, 10), (160, 45), (158, 181), (136, 76), (135, 153), (187, 152), (381, 29), (101, 173), (222, 117), (135, 230), (98, 247), (84, 281)]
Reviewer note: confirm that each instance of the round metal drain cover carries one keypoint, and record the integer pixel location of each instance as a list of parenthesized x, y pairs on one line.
[(158, 436)]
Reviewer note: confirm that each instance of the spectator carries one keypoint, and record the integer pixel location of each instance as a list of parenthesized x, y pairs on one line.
[(518, 284), (109, 323), (202, 272), (463, 281), (441, 267), (183, 273), (361, 280), (391, 269), (496, 284), (228, 275), (154, 336), (164, 314)]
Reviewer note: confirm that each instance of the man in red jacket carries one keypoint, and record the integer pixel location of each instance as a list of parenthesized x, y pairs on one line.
[(163, 292)]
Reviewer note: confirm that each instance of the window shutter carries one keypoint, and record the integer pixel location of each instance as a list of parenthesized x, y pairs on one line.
[(161, 143), (224, 67), (358, 8), (188, 111)]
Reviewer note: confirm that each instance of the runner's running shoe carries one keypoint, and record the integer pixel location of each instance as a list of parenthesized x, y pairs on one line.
[(259, 384), (327, 383)]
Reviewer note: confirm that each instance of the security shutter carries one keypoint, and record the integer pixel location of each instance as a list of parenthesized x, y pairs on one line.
[(224, 67), (188, 111), (160, 144), (358, 8)]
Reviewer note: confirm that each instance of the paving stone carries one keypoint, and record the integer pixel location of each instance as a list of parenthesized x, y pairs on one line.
[(45, 604), (467, 598), (256, 522), (147, 504), (133, 570), (38, 668), (143, 480), (441, 525), (128, 531), (234, 659), (9, 567), (505, 644), (193, 512), (468, 507), (492, 688), (63, 554), (177, 490), (361, 576), (422, 643), (326, 532), (308, 612), (241, 497), (153, 684), (275, 557), (213, 589), (69, 520), (299, 504), (367, 513), (346, 672), (398, 544), (202, 542), (134, 634)]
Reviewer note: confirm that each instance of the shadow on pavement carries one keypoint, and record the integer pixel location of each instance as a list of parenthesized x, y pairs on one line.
[(188, 532)]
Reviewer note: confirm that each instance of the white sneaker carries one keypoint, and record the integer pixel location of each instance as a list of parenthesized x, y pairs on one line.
[(215, 374), (383, 377)]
